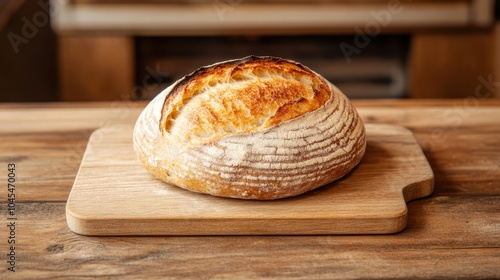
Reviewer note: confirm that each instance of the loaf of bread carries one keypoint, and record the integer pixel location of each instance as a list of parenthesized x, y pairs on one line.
[(252, 128)]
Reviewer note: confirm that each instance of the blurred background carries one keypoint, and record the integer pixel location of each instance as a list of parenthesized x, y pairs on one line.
[(121, 50)]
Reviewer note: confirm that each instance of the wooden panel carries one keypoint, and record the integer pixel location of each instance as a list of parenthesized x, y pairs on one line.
[(48, 140), (453, 234), (28, 53), (450, 65), (371, 199), (47, 143), (447, 237), (96, 68)]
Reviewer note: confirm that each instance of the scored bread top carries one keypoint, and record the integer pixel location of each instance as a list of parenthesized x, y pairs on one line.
[(240, 96), (254, 128)]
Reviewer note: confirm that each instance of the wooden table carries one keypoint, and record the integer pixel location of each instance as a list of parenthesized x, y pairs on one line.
[(455, 233)]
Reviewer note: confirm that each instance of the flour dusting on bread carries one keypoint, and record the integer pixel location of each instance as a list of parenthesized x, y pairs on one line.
[(253, 128)]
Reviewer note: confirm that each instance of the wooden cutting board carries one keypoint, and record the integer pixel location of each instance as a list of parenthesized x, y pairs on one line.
[(114, 195)]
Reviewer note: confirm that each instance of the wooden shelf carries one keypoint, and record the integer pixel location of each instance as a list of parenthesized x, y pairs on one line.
[(163, 18)]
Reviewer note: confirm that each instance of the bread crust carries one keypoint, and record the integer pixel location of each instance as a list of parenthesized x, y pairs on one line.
[(253, 128), (239, 96)]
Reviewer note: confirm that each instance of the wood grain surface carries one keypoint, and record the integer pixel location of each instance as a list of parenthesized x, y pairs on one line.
[(454, 233), (371, 199)]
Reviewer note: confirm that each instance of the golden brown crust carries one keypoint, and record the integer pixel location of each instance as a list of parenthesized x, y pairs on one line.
[(240, 96), (256, 128)]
